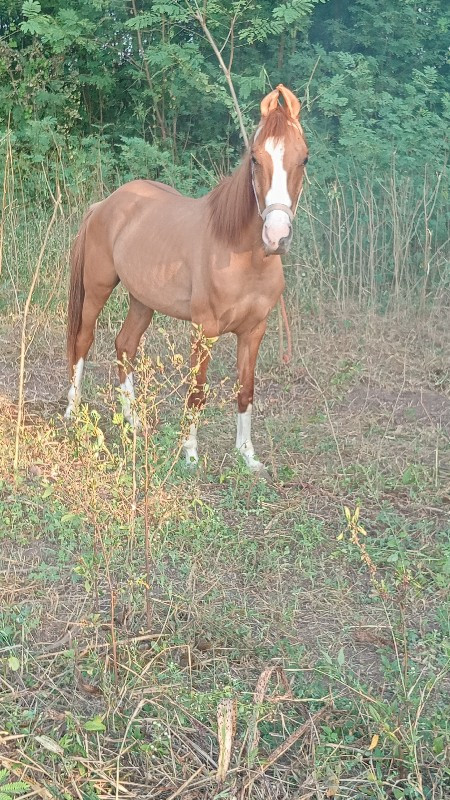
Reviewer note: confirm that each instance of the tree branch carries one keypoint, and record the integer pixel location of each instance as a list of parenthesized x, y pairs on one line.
[(201, 18), (159, 116)]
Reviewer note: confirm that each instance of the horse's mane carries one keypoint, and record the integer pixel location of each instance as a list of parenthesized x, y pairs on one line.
[(232, 202), (275, 125)]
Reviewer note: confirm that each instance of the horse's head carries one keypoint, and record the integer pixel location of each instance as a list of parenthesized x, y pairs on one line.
[(278, 156)]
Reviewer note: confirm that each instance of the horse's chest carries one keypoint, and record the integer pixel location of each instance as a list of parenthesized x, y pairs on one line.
[(244, 300)]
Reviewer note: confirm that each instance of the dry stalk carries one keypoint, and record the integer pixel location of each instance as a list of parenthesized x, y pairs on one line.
[(57, 203), (279, 751), (122, 745), (147, 542), (226, 731), (112, 601), (356, 530), (187, 783), (258, 698)]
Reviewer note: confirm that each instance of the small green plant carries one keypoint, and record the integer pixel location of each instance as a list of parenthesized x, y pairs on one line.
[(10, 789)]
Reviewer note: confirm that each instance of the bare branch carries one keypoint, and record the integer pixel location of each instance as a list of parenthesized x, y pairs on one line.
[(201, 18), (159, 116)]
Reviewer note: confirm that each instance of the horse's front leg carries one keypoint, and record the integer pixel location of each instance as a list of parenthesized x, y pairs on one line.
[(247, 352), (200, 356)]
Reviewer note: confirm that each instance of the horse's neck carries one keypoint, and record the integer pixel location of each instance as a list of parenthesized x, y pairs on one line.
[(251, 238)]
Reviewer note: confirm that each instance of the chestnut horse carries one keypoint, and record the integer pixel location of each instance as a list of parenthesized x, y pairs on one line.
[(214, 261)]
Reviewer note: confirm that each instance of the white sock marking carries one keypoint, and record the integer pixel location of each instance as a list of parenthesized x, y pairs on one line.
[(127, 399), (190, 446), (74, 394), (244, 439)]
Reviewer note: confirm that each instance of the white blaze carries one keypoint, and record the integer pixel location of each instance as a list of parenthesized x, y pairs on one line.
[(278, 192), (74, 395), (277, 223)]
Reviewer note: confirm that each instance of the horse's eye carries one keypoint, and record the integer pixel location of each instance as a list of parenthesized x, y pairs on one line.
[(305, 161)]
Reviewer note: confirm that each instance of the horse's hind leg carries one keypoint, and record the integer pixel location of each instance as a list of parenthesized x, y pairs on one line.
[(136, 323), (93, 302)]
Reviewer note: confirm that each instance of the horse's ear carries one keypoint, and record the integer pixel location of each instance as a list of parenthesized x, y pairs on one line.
[(291, 102), (269, 102)]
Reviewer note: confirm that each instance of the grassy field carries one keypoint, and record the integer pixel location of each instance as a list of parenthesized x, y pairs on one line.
[(166, 634), (138, 599)]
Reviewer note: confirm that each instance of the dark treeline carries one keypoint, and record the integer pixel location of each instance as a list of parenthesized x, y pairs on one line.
[(140, 81)]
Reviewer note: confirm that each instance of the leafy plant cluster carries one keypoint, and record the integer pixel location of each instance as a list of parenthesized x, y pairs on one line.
[(137, 85), (93, 94)]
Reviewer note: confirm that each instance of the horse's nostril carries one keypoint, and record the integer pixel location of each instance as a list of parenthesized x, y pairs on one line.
[(285, 241)]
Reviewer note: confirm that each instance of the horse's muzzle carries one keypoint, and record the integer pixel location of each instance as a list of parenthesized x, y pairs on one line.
[(279, 249), (277, 232)]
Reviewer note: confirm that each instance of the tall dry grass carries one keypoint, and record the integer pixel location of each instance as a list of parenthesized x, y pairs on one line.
[(373, 240), (378, 241)]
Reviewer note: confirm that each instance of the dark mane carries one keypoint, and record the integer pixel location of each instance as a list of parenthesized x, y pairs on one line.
[(232, 203)]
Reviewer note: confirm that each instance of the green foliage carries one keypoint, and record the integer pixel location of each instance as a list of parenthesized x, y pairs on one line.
[(98, 93), (374, 73), (291, 12), (10, 789)]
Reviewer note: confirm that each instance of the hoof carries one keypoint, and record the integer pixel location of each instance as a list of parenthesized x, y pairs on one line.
[(254, 465), (191, 458), (259, 470), (69, 412)]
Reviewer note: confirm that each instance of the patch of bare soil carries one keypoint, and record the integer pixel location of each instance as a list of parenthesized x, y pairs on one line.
[(403, 407), (387, 355)]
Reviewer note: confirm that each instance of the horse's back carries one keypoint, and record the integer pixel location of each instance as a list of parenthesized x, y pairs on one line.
[(133, 202), (143, 187), (142, 203)]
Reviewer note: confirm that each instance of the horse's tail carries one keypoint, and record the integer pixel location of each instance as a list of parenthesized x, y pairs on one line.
[(76, 292)]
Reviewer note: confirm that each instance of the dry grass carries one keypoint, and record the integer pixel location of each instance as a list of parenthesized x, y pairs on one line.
[(243, 574)]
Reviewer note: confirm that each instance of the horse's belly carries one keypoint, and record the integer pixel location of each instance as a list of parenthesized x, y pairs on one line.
[(163, 287)]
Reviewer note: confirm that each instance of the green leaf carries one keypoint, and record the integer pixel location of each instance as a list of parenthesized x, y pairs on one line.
[(8, 790), (30, 8), (294, 10), (13, 663), (341, 657), (69, 517), (94, 725)]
